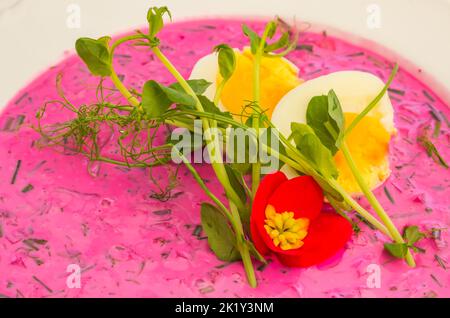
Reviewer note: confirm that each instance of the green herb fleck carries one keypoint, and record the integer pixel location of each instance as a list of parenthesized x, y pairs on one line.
[(427, 95), (162, 212), (305, 47), (42, 284), (430, 148), (440, 261), (197, 231), (389, 195), (16, 171), (396, 91), (27, 188)]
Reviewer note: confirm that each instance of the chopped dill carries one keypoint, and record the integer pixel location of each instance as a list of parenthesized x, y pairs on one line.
[(42, 284), (16, 171), (427, 95), (197, 231), (162, 212), (396, 91), (430, 148), (389, 195), (305, 47), (440, 261), (27, 188)]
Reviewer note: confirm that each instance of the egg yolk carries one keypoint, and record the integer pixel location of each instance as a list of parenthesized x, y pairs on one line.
[(368, 143), (277, 78)]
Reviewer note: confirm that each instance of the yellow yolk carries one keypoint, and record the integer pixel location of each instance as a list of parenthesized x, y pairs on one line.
[(368, 143), (284, 230), (277, 78)]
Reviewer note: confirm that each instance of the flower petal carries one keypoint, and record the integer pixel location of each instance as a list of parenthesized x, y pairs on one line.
[(327, 234), (301, 195), (268, 185)]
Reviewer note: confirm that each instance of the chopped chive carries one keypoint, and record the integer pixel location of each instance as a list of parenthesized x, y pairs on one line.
[(355, 54), (28, 188), (24, 95), (162, 212), (31, 243), (436, 280), (16, 171), (445, 118), (223, 265), (263, 266), (305, 47), (396, 91), (437, 129), (440, 261), (362, 219), (433, 112), (124, 56), (427, 95), (375, 61), (431, 150), (42, 284), (8, 124), (389, 195), (20, 120), (206, 290), (197, 231)]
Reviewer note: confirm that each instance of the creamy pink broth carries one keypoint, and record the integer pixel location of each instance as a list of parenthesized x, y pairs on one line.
[(131, 245)]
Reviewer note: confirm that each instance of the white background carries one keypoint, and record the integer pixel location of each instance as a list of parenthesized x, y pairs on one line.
[(34, 33)]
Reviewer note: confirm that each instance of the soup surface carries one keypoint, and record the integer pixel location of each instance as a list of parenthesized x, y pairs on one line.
[(127, 243)]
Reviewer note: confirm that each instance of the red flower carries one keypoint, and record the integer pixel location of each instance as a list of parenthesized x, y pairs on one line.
[(287, 220)]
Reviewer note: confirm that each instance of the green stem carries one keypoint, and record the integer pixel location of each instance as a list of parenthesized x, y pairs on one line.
[(373, 103), (242, 247), (115, 79), (123, 90), (384, 217), (218, 93), (212, 145), (256, 167)]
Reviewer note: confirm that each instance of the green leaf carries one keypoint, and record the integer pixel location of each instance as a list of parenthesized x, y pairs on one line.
[(271, 29), (254, 252), (253, 37), (210, 107), (157, 98), (155, 19), (199, 86), (242, 168), (412, 235), (95, 54), (221, 238), (397, 250), (325, 116), (235, 179), (313, 149), (282, 42), (227, 61)]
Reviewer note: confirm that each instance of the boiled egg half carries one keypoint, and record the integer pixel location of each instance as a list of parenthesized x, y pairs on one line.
[(368, 141), (278, 76)]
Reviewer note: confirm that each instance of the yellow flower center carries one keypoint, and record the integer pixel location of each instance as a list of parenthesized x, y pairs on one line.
[(284, 230)]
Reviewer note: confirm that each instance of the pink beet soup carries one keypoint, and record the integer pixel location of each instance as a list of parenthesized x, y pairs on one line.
[(53, 213)]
